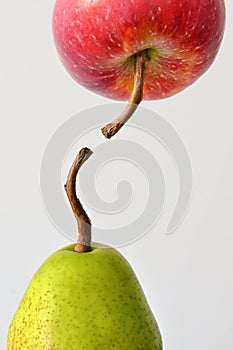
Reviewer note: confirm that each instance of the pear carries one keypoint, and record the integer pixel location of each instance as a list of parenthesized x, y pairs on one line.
[(84, 301), (84, 296)]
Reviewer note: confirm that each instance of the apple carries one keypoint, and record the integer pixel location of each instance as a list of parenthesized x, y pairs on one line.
[(149, 48)]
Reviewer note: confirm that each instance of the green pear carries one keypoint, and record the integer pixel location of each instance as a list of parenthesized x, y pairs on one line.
[(84, 302), (84, 296)]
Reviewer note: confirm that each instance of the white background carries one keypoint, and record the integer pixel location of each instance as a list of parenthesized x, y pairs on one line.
[(187, 276)]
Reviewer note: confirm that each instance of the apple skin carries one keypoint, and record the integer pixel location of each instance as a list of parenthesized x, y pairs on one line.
[(97, 40)]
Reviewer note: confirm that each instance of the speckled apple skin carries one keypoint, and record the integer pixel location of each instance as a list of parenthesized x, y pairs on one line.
[(87, 301), (96, 40)]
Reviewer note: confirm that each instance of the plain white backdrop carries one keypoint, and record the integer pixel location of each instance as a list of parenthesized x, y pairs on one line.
[(187, 276)]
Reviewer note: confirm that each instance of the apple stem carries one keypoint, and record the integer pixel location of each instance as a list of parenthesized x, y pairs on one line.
[(84, 224), (112, 128)]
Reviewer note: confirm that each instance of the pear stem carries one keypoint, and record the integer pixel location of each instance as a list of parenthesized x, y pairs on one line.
[(84, 223), (112, 128)]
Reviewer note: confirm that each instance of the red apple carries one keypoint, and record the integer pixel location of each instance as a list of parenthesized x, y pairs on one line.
[(97, 41)]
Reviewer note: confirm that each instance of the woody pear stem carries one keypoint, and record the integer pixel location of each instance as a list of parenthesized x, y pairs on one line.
[(84, 224), (111, 129)]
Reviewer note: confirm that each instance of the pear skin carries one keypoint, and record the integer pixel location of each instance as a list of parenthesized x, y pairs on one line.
[(84, 301)]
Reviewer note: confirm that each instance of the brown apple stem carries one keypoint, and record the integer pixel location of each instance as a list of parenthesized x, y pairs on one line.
[(111, 129), (84, 224)]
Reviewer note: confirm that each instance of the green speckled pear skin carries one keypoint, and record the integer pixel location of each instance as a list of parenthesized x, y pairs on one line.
[(84, 301)]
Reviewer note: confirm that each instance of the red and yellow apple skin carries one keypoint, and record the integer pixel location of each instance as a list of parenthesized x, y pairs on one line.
[(97, 40)]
